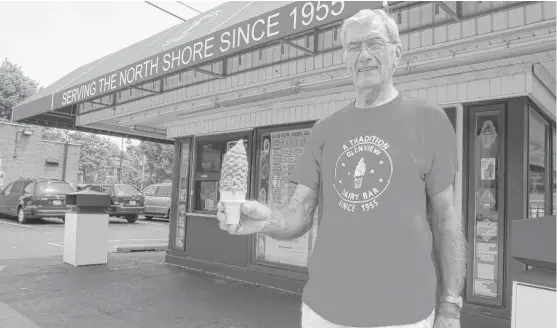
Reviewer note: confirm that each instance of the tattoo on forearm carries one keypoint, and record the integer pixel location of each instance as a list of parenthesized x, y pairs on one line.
[(292, 220)]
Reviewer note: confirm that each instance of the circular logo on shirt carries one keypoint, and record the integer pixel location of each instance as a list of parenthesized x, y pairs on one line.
[(362, 173)]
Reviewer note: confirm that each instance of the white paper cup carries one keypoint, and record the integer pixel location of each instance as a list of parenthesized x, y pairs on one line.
[(232, 201)]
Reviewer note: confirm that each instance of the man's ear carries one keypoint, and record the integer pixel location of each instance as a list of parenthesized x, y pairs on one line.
[(398, 55)]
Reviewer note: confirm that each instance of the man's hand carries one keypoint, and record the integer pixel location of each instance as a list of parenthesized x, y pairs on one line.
[(254, 216), (290, 222), (446, 321)]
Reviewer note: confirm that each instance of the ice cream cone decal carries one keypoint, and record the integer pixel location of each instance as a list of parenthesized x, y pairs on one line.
[(359, 173)]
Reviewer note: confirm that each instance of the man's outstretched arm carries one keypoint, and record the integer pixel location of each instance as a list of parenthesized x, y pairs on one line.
[(293, 220), (449, 242)]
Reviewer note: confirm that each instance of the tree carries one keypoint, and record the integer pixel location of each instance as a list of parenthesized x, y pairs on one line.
[(96, 155), (15, 87), (159, 160)]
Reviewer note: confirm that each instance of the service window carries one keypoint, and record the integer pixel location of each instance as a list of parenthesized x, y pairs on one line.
[(209, 156)]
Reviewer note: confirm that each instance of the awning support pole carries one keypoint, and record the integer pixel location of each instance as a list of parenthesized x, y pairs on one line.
[(217, 75), (293, 45), (449, 11), (146, 90)]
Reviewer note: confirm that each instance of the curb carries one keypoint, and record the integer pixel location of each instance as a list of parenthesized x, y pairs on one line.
[(140, 248)]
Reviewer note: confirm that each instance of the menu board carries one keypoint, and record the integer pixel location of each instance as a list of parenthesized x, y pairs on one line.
[(182, 196), (486, 223), (279, 155)]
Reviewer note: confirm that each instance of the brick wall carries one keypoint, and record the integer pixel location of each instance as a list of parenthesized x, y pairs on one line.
[(26, 156)]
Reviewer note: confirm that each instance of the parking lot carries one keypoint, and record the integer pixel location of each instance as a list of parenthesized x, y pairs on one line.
[(46, 237)]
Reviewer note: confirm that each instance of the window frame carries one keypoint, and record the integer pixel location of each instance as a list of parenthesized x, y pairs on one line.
[(549, 126), (214, 176), (474, 112), (259, 265), (7, 190)]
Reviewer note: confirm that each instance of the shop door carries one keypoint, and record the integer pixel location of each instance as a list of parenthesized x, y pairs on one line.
[(484, 175), (180, 197)]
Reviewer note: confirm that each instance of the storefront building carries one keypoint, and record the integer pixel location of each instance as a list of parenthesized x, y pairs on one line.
[(265, 72)]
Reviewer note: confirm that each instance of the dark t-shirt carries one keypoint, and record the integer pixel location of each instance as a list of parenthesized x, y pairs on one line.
[(372, 264)]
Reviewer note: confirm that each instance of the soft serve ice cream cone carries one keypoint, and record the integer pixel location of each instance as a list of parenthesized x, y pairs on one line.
[(359, 173), (234, 181)]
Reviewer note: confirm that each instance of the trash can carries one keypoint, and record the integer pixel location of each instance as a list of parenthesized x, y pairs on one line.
[(86, 228)]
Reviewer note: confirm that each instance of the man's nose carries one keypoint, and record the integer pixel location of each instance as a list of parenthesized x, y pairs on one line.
[(365, 55)]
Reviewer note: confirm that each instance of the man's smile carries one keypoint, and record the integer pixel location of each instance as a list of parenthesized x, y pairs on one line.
[(369, 68)]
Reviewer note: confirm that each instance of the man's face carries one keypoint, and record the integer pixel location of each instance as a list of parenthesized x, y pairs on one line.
[(370, 55)]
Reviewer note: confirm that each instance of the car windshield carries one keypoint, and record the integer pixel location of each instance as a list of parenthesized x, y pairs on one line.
[(54, 187), (126, 190)]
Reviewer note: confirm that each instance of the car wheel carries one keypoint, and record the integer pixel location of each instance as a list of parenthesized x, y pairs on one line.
[(131, 218), (148, 217), (21, 218)]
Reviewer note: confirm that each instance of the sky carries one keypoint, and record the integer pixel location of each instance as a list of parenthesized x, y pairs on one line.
[(50, 39)]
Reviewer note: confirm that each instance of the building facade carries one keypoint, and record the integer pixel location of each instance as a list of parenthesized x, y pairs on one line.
[(23, 154), (490, 65)]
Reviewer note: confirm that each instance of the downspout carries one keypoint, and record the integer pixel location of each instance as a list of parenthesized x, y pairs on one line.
[(15, 143), (65, 162)]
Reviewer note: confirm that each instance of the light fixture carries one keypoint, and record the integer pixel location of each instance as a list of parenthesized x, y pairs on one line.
[(148, 130)]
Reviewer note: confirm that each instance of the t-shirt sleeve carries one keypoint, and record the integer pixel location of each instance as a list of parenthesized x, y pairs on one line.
[(308, 169), (444, 158)]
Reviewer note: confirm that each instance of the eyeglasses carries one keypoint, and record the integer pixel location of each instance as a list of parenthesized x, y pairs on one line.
[(373, 46)]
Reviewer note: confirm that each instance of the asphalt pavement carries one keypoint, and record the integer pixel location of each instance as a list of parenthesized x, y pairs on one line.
[(46, 237), (134, 290)]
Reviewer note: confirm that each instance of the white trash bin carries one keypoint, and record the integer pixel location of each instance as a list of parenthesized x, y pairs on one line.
[(86, 229)]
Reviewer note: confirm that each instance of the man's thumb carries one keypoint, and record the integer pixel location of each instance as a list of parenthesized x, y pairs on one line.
[(247, 208)]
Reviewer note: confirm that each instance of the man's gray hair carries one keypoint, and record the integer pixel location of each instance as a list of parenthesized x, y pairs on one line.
[(366, 16)]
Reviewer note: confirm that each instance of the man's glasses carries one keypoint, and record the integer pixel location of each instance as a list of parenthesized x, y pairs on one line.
[(373, 46)]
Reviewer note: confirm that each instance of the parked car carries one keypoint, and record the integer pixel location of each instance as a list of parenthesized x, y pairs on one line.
[(127, 200), (157, 201), (29, 199)]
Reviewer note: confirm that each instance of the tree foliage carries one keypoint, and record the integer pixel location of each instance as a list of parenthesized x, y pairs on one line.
[(15, 87), (95, 157), (99, 160), (158, 160)]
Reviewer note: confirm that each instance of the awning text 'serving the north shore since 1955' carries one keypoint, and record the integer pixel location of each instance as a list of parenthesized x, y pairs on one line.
[(281, 23)]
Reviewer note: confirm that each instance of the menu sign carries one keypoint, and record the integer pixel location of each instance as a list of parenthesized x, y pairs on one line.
[(279, 154)]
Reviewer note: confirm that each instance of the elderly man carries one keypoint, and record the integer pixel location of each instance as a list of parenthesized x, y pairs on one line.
[(371, 167)]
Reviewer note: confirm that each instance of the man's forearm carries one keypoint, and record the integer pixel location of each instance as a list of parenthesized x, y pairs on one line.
[(292, 221), (450, 247), (283, 226)]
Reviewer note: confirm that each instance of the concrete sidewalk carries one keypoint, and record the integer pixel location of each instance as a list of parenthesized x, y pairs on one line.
[(134, 290)]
